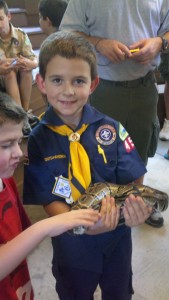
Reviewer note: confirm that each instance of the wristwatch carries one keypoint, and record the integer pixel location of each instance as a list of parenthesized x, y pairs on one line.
[(164, 46)]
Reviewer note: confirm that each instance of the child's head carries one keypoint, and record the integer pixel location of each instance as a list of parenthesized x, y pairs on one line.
[(10, 111), (12, 117), (5, 18), (68, 74), (68, 45), (50, 14), (4, 6)]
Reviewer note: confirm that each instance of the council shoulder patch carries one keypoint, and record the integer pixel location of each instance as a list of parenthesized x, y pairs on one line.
[(106, 134), (128, 144), (122, 132)]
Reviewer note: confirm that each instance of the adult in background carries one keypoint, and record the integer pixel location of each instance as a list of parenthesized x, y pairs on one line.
[(128, 37)]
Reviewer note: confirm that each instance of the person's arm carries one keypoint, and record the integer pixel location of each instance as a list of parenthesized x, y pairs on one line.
[(113, 50), (14, 252)]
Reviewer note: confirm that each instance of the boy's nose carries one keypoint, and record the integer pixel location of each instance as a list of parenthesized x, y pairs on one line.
[(68, 89), (17, 152)]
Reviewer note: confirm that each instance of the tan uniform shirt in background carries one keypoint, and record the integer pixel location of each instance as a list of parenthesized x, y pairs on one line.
[(18, 44)]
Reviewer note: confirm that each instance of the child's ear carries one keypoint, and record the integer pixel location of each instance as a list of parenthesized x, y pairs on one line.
[(48, 21), (94, 84), (9, 16), (40, 83)]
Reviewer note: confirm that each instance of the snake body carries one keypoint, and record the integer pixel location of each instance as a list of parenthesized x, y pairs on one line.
[(93, 196)]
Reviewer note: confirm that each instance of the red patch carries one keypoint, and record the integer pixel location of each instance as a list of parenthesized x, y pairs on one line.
[(128, 144)]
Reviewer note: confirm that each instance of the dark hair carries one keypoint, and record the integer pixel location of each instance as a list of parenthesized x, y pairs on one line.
[(10, 111), (4, 6), (68, 45), (53, 9)]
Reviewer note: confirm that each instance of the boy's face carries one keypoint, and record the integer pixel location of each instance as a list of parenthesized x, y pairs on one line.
[(4, 23), (46, 25), (67, 85), (10, 151)]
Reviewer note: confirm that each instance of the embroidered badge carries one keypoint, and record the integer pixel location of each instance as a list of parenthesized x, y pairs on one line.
[(106, 134), (128, 144), (62, 188), (122, 132), (16, 42)]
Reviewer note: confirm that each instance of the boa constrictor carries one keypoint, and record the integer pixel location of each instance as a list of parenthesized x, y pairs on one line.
[(93, 196)]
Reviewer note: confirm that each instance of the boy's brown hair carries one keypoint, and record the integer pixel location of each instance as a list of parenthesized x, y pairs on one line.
[(68, 45), (4, 6), (10, 111)]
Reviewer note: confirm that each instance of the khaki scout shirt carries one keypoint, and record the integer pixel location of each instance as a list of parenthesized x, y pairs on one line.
[(19, 44)]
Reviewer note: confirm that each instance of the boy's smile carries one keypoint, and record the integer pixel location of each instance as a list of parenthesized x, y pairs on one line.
[(67, 85)]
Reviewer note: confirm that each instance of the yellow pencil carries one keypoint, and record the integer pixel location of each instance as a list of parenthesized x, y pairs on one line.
[(134, 50)]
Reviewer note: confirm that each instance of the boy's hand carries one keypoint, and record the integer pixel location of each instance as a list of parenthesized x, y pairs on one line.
[(66, 221), (25, 64), (135, 211), (5, 66), (110, 214)]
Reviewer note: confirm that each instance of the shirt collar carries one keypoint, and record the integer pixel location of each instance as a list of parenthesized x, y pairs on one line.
[(90, 115)]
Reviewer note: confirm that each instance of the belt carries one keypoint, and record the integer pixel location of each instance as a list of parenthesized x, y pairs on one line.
[(149, 77)]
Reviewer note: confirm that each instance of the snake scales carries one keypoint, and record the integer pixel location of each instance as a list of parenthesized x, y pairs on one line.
[(93, 196)]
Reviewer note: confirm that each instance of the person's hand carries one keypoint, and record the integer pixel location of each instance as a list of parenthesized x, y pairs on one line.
[(25, 64), (74, 218), (135, 211), (5, 66), (113, 50), (148, 49), (110, 214)]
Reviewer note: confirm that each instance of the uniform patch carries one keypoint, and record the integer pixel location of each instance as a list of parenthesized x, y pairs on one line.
[(122, 132), (128, 144), (106, 134), (62, 188)]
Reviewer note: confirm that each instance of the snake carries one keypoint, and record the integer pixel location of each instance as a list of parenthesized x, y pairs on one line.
[(94, 194)]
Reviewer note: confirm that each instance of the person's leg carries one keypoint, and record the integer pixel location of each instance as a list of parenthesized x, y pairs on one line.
[(166, 99), (75, 284), (116, 281), (11, 86), (25, 87), (164, 133)]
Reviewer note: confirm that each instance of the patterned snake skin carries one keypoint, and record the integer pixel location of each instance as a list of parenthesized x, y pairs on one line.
[(93, 196)]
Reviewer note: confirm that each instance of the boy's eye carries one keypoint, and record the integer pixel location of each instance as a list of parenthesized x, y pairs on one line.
[(57, 80), (79, 81), (6, 146)]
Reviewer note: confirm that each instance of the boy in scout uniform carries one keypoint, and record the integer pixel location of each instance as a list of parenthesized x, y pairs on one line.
[(17, 60), (73, 146)]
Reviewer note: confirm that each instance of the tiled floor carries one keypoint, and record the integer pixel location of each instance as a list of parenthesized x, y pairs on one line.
[(150, 247)]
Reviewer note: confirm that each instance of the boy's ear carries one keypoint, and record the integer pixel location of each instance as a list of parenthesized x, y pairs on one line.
[(9, 16), (48, 21), (40, 83), (94, 84)]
